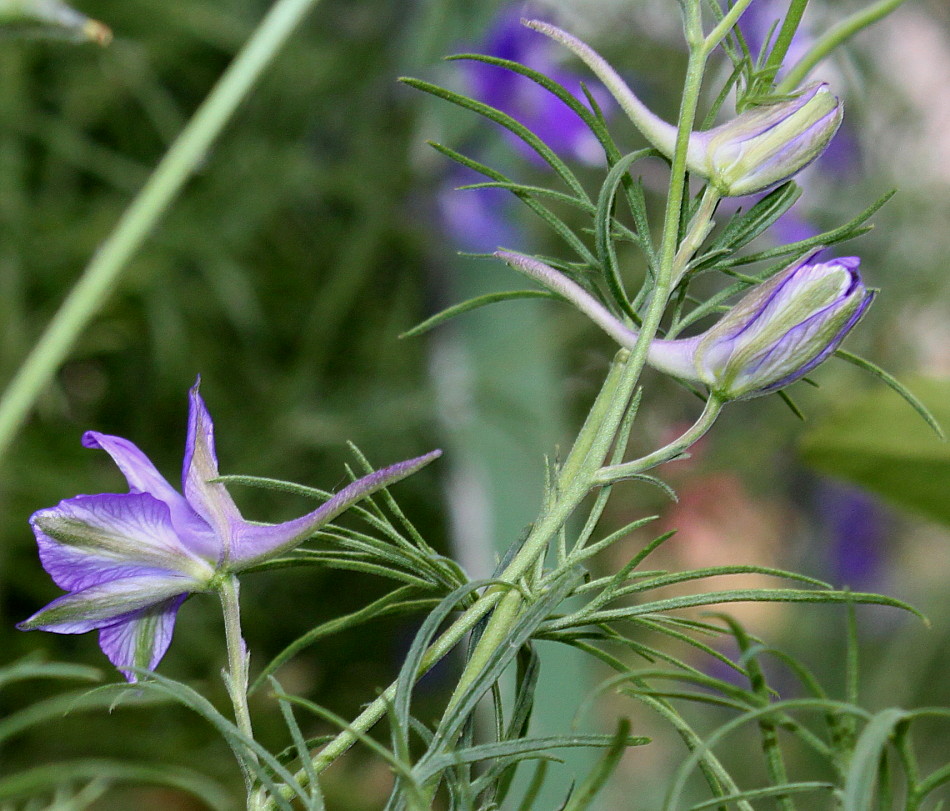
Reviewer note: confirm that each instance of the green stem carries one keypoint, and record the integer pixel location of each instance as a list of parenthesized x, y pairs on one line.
[(140, 218), (627, 470), (592, 445), (838, 34), (699, 229), (725, 25), (229, 592)]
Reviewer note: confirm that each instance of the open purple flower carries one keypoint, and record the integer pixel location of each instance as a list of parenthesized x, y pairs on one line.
[(129, 560)]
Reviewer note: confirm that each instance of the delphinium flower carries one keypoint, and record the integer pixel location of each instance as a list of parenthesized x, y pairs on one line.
[(129, 560), (781, 330)]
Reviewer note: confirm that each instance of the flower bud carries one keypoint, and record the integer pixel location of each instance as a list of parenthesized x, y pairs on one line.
[(778, 333), (758, 149), (766, 145)]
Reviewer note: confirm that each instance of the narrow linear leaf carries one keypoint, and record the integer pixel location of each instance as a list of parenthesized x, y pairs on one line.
[(893, 383), (503, 119), (559, 226), (603, 219), (761, 793), (866, 759), (473, 304), (600, 774), (593, 122)]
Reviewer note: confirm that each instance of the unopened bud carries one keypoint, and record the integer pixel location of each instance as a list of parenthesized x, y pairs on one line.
[(774, 336), (766, 145), (758, 149)]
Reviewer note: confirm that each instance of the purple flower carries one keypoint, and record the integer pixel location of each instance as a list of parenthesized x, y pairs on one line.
[(766, 145), (780, 331), (129, 560)]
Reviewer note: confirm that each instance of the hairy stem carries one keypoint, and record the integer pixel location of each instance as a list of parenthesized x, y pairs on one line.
[(237, 676), (140, 218)]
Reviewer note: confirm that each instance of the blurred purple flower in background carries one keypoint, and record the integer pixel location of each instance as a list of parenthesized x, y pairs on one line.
[(129, 560), (478, 219), (858, 525), (540, 111)]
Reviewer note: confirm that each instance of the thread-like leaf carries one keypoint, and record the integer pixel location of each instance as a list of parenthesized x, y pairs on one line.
[(503, 119), (892, 382), (473, 304), (559, 226), (396, 602), (588, 790)]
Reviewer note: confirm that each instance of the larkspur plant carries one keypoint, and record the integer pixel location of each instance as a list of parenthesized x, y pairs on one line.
[(129, 560)]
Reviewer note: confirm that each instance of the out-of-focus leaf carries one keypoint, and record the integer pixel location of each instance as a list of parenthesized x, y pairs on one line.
[(877, 441)]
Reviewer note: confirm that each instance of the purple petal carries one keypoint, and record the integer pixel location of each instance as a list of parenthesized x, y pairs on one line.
[(87, 540), (255, 543), (143, 477), (142, 639), (211, 501), (107, 603)]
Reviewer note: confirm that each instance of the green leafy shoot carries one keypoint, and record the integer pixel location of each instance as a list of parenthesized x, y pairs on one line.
[(555, 222)]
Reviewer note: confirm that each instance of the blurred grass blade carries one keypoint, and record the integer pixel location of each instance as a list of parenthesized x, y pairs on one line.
[(41, 779)]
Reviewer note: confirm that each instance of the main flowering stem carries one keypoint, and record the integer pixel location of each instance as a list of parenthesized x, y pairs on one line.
[(581, 471), (579, 474)]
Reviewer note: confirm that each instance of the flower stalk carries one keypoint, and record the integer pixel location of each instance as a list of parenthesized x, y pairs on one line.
[(238, 658)]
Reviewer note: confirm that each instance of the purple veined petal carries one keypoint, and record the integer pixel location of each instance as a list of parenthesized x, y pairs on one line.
[(107, 603), (143, 477), (88, 540), (750, 309), (211, 501), (255, 543), (141, 639), (825, 353)]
